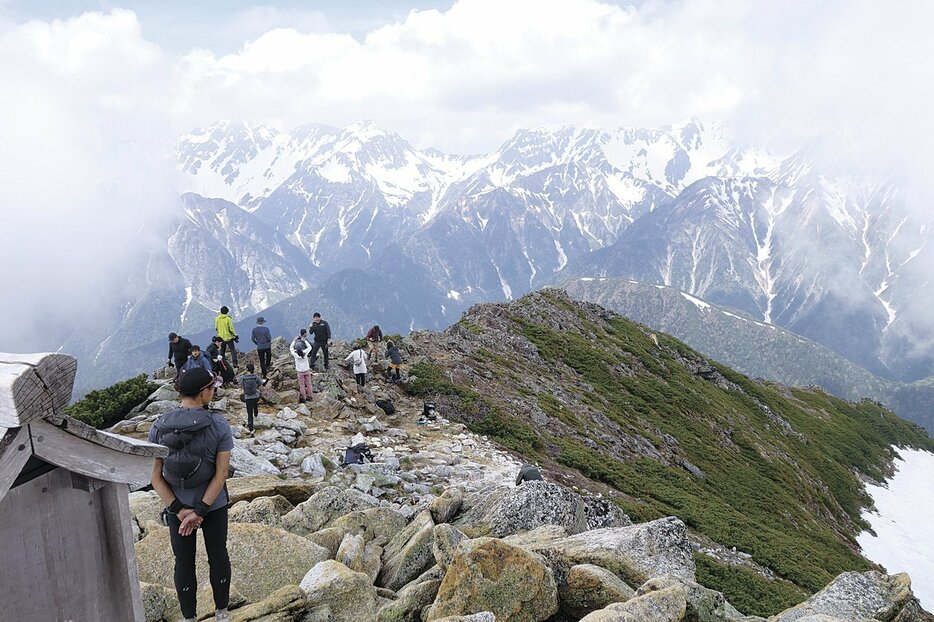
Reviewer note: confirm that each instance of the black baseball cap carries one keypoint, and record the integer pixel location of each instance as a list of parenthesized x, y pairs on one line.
[(196, 380)]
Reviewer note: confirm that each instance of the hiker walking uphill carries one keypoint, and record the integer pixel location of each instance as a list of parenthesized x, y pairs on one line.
[(179, 350), (394, 370), (223, 326), (299, 349), (358, 359), (373, 337), (321, 335), (250, 384), (262, 338), (191, 482), (219, 364)]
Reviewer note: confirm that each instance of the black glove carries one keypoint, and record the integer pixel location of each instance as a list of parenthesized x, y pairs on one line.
[(236, 338)]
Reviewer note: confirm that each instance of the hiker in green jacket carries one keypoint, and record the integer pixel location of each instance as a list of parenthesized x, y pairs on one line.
[(223, 326)]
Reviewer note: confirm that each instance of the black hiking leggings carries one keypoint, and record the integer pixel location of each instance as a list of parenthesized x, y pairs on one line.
[(265, 359), (361, 379), (214, 528), (252, 409)]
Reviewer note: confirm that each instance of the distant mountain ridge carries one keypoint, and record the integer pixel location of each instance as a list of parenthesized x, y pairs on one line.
[(752, 347), (270, 215)]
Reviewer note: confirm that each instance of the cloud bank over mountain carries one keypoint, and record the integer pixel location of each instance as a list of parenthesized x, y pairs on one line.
[(92, 102)]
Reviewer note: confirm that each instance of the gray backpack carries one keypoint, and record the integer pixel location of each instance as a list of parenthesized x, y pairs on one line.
[(186, 433)]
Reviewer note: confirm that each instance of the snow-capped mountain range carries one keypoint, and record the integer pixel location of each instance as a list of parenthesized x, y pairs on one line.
[(795, 241)]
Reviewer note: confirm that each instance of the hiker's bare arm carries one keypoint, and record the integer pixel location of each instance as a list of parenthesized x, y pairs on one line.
[(160, 485), (221, 465)]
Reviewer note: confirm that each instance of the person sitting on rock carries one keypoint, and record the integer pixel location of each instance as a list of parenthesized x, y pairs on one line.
[(529, 473)]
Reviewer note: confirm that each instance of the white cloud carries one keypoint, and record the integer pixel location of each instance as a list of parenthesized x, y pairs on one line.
[(78, 94)]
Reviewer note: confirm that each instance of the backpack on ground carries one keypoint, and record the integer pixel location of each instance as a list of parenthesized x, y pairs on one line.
[(357, 454), (185, 433), (387, 406)]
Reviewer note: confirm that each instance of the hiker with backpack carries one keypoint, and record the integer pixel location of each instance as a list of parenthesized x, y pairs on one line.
[(320, 331), (394, 370), (220, 366), (191, 482), (250, 383), (299, 349), (179, 350), (358, 358), (223, 326), (374, 336), (262, 338)]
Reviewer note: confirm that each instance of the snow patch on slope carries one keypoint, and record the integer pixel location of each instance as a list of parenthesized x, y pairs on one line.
[(904, 540)]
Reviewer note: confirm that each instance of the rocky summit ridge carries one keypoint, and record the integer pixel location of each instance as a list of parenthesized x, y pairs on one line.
[(676, 489)]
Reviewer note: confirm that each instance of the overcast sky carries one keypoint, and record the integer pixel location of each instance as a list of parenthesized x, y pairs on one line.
[(90, 89)]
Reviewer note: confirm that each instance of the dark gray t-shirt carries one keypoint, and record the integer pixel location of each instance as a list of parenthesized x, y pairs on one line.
[(221, 440)]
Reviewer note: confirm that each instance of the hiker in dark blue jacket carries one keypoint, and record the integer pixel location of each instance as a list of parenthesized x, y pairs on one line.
[(263, 340), (197, 359)]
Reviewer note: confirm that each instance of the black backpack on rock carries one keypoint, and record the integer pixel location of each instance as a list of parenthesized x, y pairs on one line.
[(357, 454), (387, 406), (185, 432)]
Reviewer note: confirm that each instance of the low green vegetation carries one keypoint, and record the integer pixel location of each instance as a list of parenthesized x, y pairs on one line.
[(104, 407), (778, 465), (746, 589)]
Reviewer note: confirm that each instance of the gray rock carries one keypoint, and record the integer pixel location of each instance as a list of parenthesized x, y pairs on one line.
[(532, 505), (636, 553), (408, 554), (349, 595), (262, 422), (667, 605), (245, 463), (703, 604), (483, 616), (265, 510), (330, 538), (409, 602), (313, 465), (378, 525), (165, 393), (601, 512), (859, 596), (160, 407), (588, 588), (325, 506), (446, 541), (488, 574), (357, 555), (444, 508)]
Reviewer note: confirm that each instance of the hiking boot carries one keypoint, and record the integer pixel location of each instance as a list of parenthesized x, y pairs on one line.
[(301, 400), (222, 616), (265, 381)]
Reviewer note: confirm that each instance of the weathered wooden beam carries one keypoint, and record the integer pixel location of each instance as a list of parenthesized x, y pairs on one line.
[(116, 442), (15, 451), (33, 386), (60, 448)]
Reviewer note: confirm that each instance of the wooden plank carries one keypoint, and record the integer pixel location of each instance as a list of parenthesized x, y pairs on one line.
[(116, 442), (59, 561), (60, 448), (121, 555), (14, 452), (34, 386)]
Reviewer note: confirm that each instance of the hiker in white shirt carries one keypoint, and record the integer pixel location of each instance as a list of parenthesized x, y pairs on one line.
[(358, 358)]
